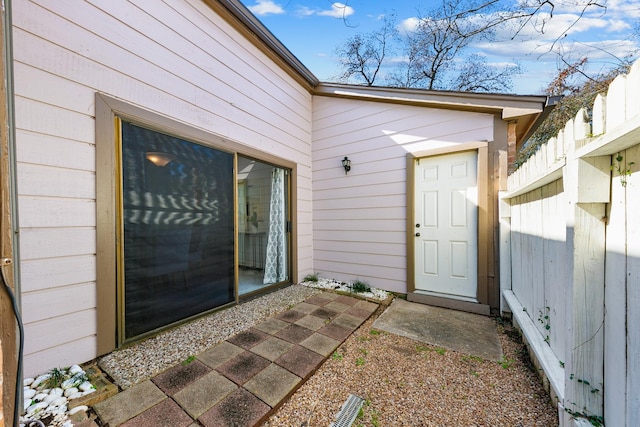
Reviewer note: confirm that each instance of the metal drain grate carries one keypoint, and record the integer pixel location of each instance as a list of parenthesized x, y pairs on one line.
[(348, 412)]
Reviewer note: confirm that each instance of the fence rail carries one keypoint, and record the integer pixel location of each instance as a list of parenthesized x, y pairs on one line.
[(570, 258)]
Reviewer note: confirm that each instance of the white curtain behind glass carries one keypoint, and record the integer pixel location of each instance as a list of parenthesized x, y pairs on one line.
[(275, 269)]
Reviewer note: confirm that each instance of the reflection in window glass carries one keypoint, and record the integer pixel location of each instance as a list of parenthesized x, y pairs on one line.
[(178, 219)]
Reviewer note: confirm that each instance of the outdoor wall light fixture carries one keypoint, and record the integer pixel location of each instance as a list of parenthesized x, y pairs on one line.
[(159, 159), (346, 164)]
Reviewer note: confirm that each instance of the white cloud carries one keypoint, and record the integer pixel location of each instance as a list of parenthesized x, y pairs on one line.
[(338, 10), (266, 7)]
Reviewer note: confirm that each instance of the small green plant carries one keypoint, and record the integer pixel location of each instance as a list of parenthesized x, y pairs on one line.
[(375, 332), (360, 361), (311, 278), (470, 358), (360, 286), (595, 420), (561, 364), (56, 377), (506, 362), (475, 374), (543, 318), (364, 351), (441, 351), (624, 170), (188, 360), (336, 356)]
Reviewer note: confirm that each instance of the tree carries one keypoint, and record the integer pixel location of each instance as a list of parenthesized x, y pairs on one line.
[(578, 91), (362, 55), (434, 53)]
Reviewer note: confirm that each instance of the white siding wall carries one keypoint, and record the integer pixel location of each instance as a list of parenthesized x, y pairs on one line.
[(176, 58), (360, 219)]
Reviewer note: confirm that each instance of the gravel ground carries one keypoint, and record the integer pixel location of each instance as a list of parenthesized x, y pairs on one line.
[(404, 382), (143, 360), (408, 383)]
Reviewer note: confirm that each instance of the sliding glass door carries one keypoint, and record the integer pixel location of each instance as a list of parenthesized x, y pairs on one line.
[(188, 222), (263, 218)]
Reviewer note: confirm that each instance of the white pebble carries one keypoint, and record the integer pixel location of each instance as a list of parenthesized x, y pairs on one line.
[(28, 393), (91, 390), (40, 396), (66, 384), (78, 409), (50, 398), (59, 401), (27, 403), (75, 395), (39, 380), (75, 369), (69, 391), (85, 386), (27, 381), (36, 407), (57, 391)]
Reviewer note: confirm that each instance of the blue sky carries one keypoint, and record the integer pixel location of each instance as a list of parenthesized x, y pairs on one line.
[(312, 29)]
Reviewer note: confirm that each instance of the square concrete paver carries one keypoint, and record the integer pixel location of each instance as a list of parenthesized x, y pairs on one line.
[(199, 396), (219, 354), (273, 384), (325, 313), (290, 315), (129, 403), (336, 332), (319, 299), (174, 379), (294, 333), (366, 305), (343, 299), (358, 312), (272, 325), (165, 414), (248, 338), (311, 322), (347, 321), (301, 361), (242, 367), (272, 348), (336, 306), (239, 409), (321, 344), (304, 307)]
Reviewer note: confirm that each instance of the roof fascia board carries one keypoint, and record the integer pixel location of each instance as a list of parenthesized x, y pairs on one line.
[(246, 22), (509, 106)]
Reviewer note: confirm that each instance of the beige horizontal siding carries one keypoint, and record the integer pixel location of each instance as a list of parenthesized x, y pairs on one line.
[(360, 218), (175, 58)]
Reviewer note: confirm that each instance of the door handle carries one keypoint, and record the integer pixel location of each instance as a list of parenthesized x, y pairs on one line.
[(417, 234)]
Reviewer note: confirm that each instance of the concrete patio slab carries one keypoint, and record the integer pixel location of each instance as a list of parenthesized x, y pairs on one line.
[(220, 354), (166, 413), (272, 348), (129, 403), (301, 361), (294, 333), (321, 344), (336, 306), (290, 316), (248, 338), (272, 325), (336, 332), (242, 367), (343, 299), (202, 394), (347, 321), (319, 299), (311, 322), (239, 409), (467, 333), (273, 384), (325, 313), (175, 379), (304, 307)]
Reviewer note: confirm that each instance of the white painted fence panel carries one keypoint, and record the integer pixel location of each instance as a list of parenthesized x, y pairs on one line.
[(574, 235)]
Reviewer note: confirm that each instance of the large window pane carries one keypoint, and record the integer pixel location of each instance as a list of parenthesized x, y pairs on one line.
[(178, 222)]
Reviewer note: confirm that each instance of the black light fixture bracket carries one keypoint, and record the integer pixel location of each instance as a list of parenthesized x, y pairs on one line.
[(346, 164)]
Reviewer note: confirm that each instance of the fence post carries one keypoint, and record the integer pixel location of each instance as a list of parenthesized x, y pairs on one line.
[(586, 183)]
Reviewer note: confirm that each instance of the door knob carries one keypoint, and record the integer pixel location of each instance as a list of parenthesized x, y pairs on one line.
[(417, 234)]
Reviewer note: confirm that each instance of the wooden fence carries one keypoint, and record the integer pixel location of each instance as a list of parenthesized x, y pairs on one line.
[(570, 259)]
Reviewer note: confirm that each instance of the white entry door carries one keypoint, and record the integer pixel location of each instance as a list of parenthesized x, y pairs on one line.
[(446, 228)]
